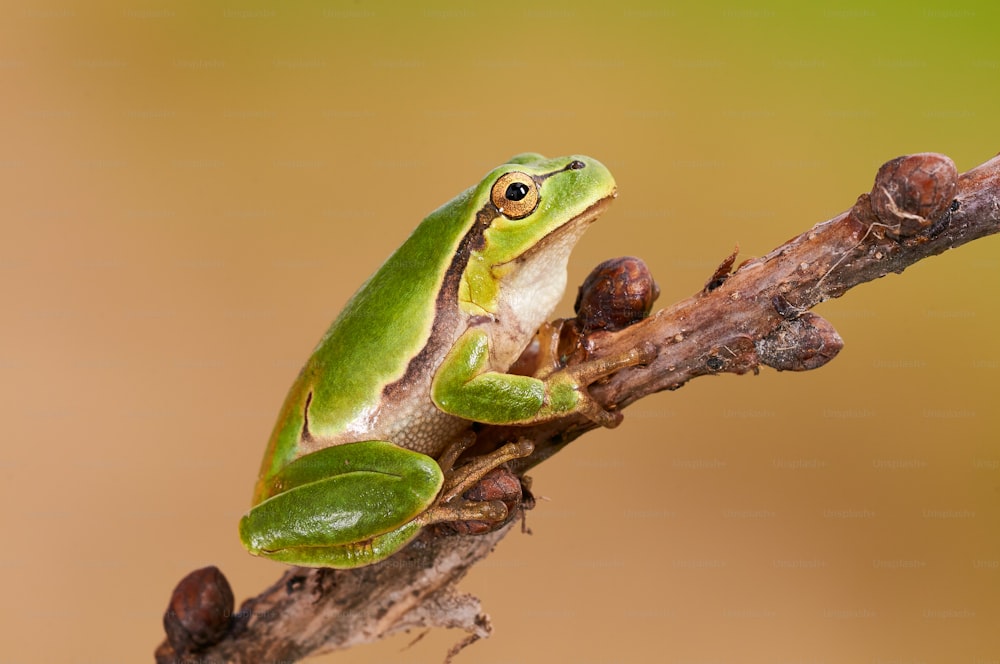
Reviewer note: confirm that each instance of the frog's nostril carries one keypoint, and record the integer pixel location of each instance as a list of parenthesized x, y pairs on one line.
[(576, 165)]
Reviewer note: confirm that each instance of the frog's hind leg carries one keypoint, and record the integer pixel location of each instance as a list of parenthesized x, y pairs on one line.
[(462, 479), (454, 450), (450, 506)]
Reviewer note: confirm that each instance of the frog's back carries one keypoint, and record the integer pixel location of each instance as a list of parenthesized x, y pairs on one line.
[(369, 346), (387, 322)]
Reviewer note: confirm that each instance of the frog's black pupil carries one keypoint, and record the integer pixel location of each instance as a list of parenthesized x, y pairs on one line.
[(516, 191)]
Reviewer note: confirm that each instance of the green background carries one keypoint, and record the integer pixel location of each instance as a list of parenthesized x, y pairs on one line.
[(190, 191)]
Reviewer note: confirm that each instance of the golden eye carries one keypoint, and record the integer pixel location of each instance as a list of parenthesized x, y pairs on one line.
[(515, 194)]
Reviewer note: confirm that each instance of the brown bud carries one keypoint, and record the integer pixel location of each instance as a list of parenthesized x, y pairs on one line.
[(616, 293), (200, 610), (800, 344), (913, 192)]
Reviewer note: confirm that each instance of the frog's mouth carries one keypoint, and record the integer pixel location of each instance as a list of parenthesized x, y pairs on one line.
[(566, 235), (541, 269)]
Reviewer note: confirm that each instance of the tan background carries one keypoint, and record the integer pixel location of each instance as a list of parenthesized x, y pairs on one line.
[(188, 194)]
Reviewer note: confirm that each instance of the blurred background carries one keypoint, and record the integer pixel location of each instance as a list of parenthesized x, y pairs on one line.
[(189, 192)]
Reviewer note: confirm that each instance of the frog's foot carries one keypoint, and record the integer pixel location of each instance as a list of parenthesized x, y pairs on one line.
[(579, 376), (491, 511), (450, 505), (465, 477)]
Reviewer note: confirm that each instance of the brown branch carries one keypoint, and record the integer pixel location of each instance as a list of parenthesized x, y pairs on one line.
[(757, 314)]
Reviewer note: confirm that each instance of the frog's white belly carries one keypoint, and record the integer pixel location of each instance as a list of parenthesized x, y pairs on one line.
[(421, 426)]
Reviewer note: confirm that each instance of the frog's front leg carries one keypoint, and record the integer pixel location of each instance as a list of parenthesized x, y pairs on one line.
[(465, 386)]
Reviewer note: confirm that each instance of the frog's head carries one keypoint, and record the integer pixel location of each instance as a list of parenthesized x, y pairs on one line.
[(537, 198), (531, 212)]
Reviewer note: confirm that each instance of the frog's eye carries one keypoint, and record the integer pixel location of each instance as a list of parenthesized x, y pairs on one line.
[(515, 194)]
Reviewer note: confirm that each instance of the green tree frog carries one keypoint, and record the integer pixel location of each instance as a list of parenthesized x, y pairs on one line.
[(362, 455)]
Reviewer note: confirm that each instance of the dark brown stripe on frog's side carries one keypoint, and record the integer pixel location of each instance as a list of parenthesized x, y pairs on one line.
[(305, 436), (447, 299)]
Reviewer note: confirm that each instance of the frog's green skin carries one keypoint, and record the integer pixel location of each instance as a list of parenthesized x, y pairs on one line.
[(418, 354)]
